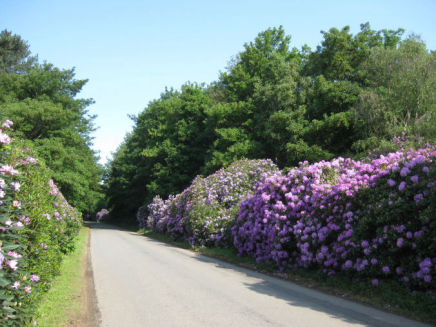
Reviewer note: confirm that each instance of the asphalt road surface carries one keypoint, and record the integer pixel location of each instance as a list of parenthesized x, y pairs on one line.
[(143, 282)]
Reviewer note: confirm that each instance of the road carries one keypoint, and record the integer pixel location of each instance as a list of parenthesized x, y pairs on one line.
[(143, 282)]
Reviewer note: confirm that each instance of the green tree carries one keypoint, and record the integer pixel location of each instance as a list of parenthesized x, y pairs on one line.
[(400, 98), (263, 111), (42, 101), (164, 152), (14, 53), (335, 69)]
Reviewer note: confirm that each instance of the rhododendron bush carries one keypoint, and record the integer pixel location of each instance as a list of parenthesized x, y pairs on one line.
[(205, 212), (37, 226), (372, 219)]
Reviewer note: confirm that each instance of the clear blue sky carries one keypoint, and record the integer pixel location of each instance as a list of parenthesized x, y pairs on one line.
[(131, 50)]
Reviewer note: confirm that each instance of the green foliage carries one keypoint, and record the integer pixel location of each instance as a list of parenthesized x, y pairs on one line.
[(41, 100), (350, 95), (14, 53), (163, 153), (37, 226), (401, 96)]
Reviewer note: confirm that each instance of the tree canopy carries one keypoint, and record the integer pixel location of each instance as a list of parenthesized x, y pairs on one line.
[(41, 100), (346, 97)]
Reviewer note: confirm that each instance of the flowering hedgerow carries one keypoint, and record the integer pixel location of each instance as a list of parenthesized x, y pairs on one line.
[(36, 226), (205, 212), (371, 219), (102, 215)]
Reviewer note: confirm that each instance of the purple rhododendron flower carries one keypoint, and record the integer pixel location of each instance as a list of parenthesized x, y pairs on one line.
[(386, 269), (400, 242), (404, 171), (402, 186)]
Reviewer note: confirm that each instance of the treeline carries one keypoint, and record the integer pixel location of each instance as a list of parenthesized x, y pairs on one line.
[(353, 93), (41, 100)]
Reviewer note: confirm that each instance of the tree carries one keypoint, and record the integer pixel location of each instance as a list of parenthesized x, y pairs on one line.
[(335, 69), (164, 152), (42, 101), (400, 98), (262, 85), (14, 54)]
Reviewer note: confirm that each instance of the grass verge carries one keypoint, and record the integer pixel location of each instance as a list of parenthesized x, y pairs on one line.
[(388, 296), (62, 302)]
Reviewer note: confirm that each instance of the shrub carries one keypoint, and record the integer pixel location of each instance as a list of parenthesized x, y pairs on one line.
[(37, 226), (205, 212), (341, 216), (103, 214)]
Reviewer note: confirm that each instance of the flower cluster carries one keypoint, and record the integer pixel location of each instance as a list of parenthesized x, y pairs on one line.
[(102, 214), (205, 212), (373, 219), (31, 243)]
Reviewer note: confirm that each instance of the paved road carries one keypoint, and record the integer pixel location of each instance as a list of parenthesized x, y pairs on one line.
[(143, 282)]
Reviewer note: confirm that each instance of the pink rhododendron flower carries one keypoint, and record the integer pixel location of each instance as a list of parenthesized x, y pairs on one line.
[(8, 170), (4, 138), (34, 278), (7, 124), (13, 264), (15, 186)]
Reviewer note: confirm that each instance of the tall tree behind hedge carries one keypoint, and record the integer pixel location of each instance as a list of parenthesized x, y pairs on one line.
[(335, 69), (263, 109), (401, 94), (42, 101), (164, 152)]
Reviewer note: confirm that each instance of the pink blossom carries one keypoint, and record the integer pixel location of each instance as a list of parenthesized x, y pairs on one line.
[(16, 186), (34, 278), (4, 139), (7, 169), (7, 124), (13, 264)]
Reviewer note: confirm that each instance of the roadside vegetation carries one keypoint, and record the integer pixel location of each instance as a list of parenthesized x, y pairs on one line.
[(62, 304), (316, 165), (49, 176)]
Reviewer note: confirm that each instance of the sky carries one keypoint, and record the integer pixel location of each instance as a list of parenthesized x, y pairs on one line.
[(131, 50)]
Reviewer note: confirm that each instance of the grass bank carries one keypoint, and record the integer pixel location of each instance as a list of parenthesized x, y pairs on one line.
[(61, 305), (388, 296)]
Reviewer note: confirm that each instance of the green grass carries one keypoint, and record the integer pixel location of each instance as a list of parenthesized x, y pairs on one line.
[(389, 295), (62, 301)]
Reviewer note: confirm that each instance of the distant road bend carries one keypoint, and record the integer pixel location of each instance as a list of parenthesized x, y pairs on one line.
[(142, 282)]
